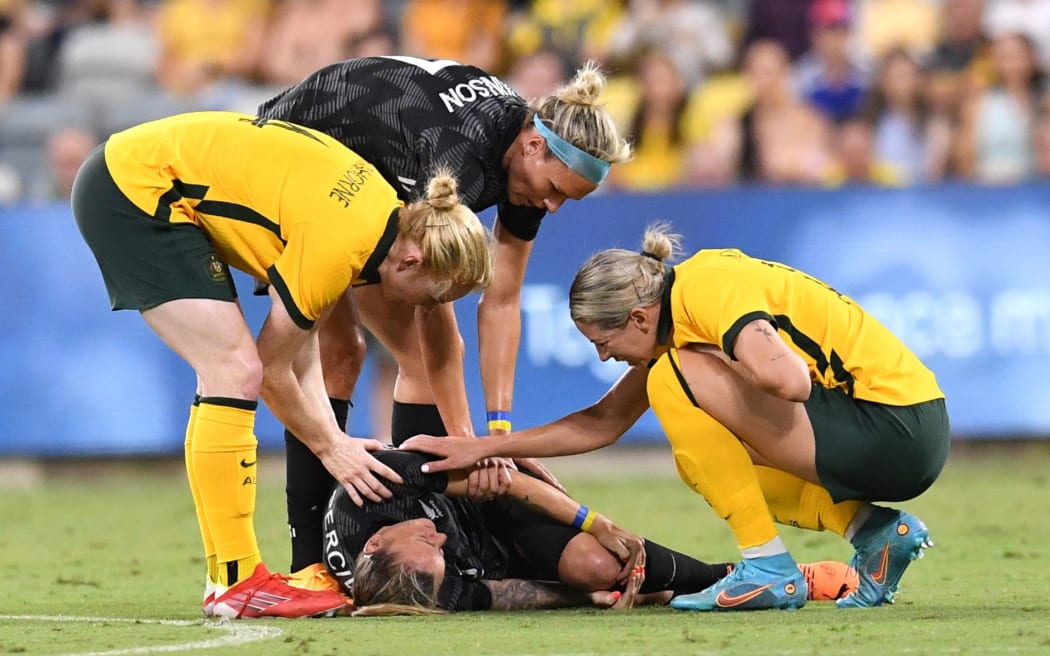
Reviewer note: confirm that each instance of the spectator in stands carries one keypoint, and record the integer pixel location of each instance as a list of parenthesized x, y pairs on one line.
[(305, 35), (899, 114), (47, 22), (780, 139), (577, 30), (714, 108), (466, 31), (783, 21), (997, 125), (109, 62), (945, 89), (1028, 17), (204, 42), (10, 184), (694, 36), (1042, 147), (827, 76), (856, 161), (961, 44), (12, 47), (537, 74), (377, 43), (67, 148), (885, 25), (657, 128)]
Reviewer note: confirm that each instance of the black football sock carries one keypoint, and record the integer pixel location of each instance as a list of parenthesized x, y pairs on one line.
[(411, 419), (308, 485), (666, 569)]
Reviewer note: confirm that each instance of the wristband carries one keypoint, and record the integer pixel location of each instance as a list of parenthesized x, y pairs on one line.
[(498, 420), (584, 518)]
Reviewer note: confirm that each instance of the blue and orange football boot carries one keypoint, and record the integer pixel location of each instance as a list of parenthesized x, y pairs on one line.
[(885, 546), (754, 584)]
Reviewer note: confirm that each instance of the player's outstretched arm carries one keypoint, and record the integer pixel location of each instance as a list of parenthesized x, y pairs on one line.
[(584, 430)]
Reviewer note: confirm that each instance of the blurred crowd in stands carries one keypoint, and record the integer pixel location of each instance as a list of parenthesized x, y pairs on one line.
[(713, 93)]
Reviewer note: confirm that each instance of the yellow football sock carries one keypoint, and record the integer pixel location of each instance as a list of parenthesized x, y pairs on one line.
[(711, 459), (798, 502), (202, 521), (224, 464)]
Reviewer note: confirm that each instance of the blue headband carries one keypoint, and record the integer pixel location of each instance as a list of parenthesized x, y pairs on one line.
[(586, 165)]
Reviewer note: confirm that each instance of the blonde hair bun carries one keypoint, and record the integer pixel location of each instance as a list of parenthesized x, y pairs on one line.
[(441, 192)]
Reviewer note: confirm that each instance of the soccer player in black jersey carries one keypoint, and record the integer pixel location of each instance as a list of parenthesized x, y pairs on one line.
[(409, 117), (426, 548)]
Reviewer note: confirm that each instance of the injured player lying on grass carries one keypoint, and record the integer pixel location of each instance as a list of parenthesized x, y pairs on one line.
[(430, 549)]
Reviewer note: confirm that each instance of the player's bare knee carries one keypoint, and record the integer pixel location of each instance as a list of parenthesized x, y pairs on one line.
[(244, 372), (587, 565), (343, 348)]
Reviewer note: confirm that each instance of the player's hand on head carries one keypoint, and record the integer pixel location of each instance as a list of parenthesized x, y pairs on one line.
[(357, 470)]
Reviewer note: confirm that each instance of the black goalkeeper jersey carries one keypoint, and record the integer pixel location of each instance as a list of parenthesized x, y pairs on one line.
[(472, 552), (410, 117)]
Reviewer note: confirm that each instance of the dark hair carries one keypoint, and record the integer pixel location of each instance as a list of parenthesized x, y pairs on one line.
[(876, 103), (636, 132)]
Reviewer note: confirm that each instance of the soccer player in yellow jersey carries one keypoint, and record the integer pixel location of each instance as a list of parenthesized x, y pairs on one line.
[(783, 402), (168, 206)]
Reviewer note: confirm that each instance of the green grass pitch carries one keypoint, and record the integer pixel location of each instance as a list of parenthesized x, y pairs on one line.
[(105, 559)]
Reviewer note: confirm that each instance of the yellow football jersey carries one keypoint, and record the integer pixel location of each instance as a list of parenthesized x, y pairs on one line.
[(283, 203), (716, 293)]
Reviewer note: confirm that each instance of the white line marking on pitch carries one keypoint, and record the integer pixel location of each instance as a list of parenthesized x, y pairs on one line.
[(236, 633)]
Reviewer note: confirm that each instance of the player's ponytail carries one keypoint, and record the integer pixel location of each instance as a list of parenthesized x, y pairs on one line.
[(613, 282)]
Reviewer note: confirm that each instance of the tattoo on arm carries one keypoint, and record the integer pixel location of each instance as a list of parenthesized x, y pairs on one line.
[(765, 330), (522, 594), (524, 498)]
